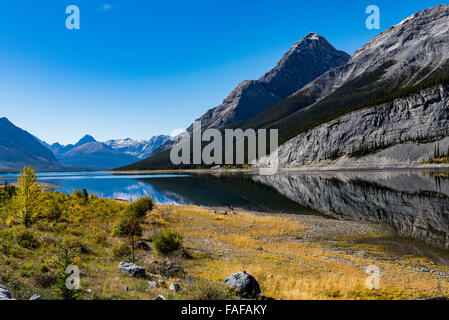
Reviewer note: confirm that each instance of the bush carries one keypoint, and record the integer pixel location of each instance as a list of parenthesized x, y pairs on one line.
[(75, 244), (44, 280), (167, 242), (53, 211), (120, 251), (26, 239), (206, 290), (141, 207)]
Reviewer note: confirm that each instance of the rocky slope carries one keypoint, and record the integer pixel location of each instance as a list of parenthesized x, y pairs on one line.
[(412, 120), (417, 46)]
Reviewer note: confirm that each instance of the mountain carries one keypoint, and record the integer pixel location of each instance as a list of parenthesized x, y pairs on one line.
[(18, 148), (138, 148), (305, 61), (386, 107), (92, 154), (89, 153), (412, 53)]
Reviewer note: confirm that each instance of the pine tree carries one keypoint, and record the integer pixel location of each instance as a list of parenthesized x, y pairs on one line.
[(66, 257), (29, 195), (85, 195)]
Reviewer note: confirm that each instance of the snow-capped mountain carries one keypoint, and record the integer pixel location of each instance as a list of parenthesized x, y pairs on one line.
[(139, 148), (92, 154)]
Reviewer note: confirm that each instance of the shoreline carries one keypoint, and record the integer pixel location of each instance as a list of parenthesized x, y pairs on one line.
[(298, 169)]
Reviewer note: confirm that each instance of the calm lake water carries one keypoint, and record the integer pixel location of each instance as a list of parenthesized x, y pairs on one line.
[(414, 203)]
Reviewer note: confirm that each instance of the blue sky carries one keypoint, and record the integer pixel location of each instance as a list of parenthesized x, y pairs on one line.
[(139, 68)]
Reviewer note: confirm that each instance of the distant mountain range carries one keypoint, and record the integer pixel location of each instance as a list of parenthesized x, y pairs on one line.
[(92, 154), (19, 148), (400, 77), (138, 148)]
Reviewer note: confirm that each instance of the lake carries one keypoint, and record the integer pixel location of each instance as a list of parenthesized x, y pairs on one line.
[(415, 203)]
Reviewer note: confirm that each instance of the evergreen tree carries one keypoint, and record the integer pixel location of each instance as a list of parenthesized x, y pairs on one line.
[(66, 257), (85, 195)]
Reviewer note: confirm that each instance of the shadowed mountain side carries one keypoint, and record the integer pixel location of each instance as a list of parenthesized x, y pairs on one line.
[(18, 148)]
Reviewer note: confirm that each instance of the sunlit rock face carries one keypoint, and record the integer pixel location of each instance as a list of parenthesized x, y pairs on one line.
[(414, 205), (399, 126)]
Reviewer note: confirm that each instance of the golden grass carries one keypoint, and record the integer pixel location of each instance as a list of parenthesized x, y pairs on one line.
[(288, 268)]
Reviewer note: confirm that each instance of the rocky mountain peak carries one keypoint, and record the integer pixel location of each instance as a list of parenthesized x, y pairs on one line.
[(86, 139), (417, 49), (306, 60)]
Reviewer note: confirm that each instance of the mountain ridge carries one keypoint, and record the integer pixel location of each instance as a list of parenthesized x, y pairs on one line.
[(19, 148)]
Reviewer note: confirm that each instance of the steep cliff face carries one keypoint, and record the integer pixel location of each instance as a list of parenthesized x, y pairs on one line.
[(422, 117), (411, 213)]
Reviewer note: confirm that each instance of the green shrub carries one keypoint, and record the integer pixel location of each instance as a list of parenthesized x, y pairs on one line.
[(142, 286), (76, 244), (14, 252), (26, 239), (26, 270), (167, 242), (120, 251), (43, 269), (53, 211), (141, 207), (45, 280)]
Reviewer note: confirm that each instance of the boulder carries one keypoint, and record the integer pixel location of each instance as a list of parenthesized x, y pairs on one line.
[(244, 284), (5, 294), (36, 297), (174, 287), (131, 269), (143, 246), (170, 268)]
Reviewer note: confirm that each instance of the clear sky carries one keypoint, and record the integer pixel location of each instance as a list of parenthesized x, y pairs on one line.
[(138, 68)]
